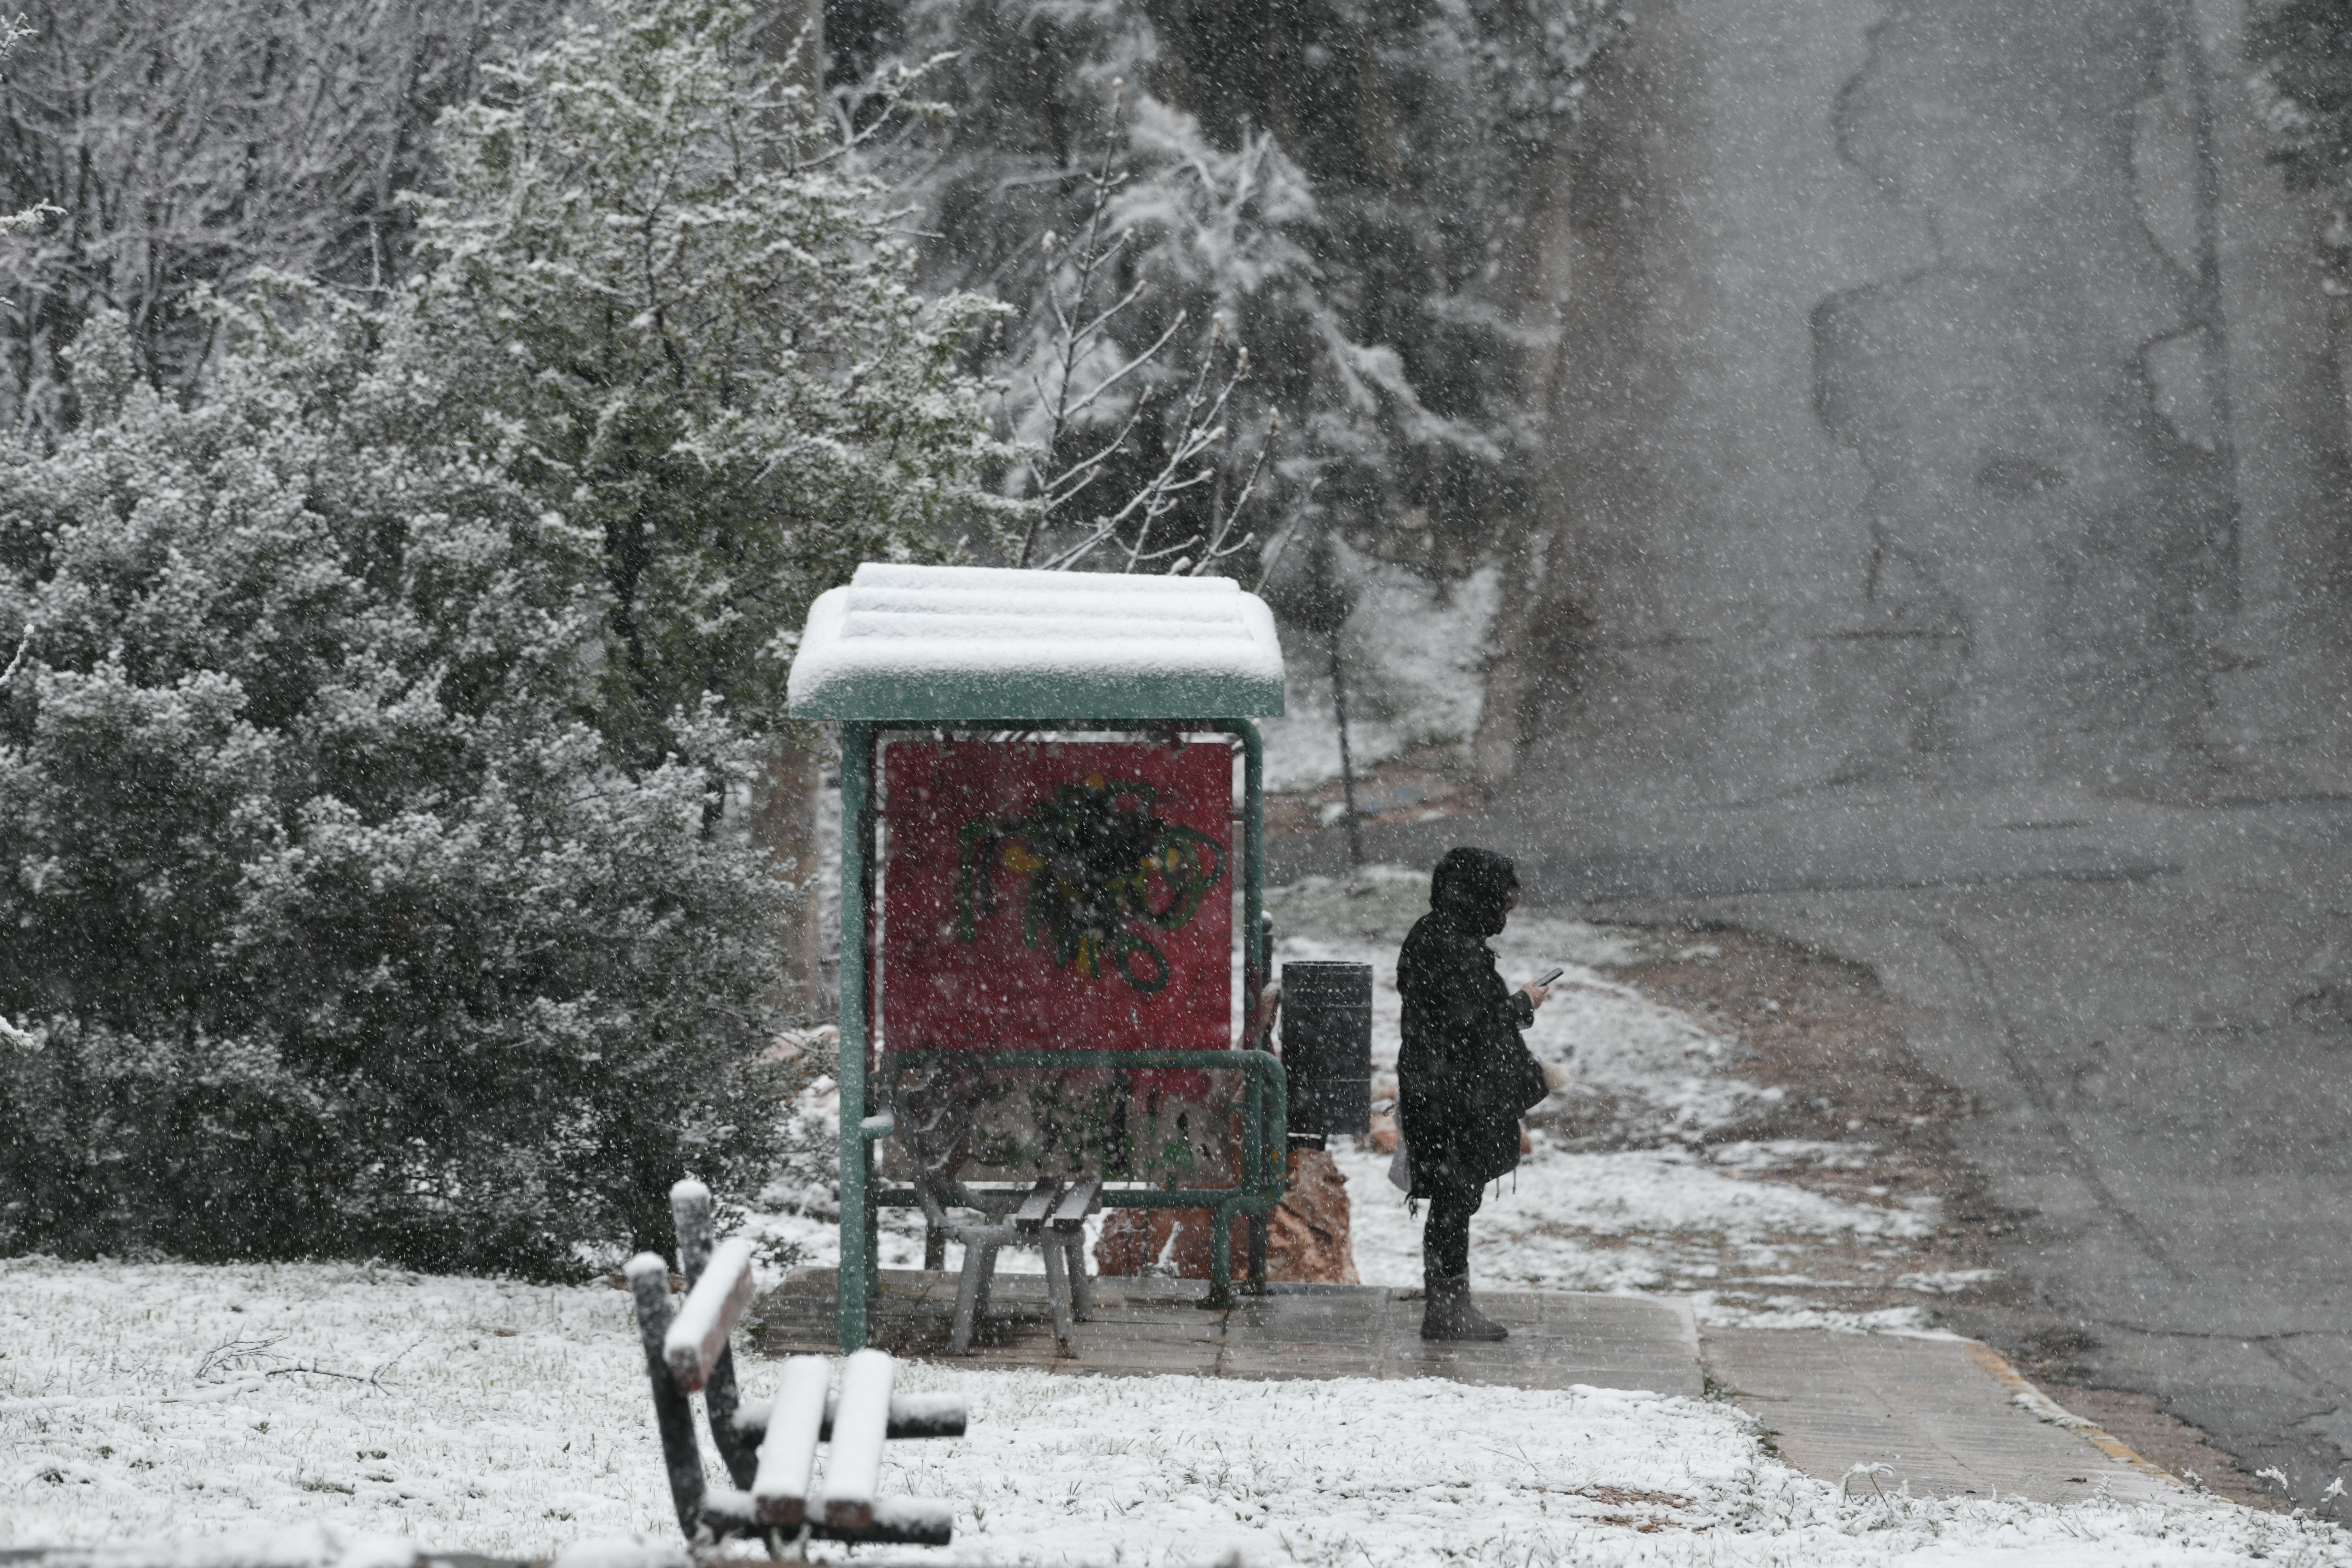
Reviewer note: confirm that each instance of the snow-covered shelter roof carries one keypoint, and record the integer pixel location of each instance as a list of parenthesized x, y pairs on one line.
[(933, 643)]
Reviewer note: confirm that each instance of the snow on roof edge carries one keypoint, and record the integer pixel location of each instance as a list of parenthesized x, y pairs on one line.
[(1054, 645), (894, 574)]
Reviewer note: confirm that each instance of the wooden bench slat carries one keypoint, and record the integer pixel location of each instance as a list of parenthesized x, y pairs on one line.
[(699, 1333), (788, 1453), (921, 1416), (911, 1521), (853, 1469), (1076, 1204), (896, 1522), (1037, 1205)]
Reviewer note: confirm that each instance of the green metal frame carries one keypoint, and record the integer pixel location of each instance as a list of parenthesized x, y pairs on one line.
[(1266, 1108)]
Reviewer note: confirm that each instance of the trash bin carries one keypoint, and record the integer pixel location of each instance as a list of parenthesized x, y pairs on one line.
[(1327, 1045)]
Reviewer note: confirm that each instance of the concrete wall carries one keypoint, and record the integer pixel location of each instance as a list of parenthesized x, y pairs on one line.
[(1943, 392)]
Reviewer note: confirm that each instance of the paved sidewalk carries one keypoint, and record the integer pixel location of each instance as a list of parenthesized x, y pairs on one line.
[(1945, 1416), (1144, 1326)]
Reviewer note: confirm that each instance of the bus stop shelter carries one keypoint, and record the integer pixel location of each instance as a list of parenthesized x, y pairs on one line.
[(1043, 778)]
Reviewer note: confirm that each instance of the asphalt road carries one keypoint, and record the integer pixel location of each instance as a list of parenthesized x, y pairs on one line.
[(2151, 1002)]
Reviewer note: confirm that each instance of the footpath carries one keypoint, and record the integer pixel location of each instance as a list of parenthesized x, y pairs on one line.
[(2142, 993), (1941, 1415)]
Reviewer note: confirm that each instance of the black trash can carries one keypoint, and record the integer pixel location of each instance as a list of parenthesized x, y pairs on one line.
[(1327, 1045)]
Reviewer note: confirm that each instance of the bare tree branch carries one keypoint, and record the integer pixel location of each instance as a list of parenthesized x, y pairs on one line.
[(24, 648)]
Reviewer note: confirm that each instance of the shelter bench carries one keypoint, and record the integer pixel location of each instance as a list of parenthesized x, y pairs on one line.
[(1051, 1217), (770, 1446)]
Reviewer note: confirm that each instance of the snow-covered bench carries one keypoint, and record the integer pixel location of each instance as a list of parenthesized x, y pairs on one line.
[(770, 1446)]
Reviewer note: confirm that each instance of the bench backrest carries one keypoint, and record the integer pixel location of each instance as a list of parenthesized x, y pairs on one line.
[(769, 1447)]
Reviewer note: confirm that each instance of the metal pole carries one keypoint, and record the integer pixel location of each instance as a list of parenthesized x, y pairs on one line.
[(1258, 954), (857, 843), (1346, 763), (1257, 957), (1254, 1109)]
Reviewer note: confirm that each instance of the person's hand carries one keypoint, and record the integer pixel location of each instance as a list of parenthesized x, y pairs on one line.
[(1536, 994)]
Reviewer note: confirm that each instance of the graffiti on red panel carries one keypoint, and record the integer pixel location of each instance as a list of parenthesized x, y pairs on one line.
[(1071, 896), (1104, 871)]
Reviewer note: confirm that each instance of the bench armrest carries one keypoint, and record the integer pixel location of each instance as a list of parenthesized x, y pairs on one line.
[(699, 1333)]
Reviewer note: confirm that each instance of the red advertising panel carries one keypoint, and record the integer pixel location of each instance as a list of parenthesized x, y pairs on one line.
[(1056, 897)]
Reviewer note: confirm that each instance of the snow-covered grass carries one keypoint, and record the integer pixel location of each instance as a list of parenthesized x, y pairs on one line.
[(140, 1400), (324, 1413)]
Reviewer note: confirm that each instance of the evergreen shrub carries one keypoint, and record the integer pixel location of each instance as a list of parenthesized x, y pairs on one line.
[(330, 929)]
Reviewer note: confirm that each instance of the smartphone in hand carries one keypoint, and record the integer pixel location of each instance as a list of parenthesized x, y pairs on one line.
[(1557, 971)]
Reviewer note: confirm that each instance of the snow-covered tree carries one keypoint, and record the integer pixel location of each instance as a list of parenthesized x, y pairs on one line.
[(1353, 190), (2304, 49), (1108, 480), (195, 144), (338, 931), (14, 31), (698, 329)]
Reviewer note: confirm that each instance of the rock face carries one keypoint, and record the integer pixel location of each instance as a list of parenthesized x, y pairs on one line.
[(1305, 1243), (1944, 391)]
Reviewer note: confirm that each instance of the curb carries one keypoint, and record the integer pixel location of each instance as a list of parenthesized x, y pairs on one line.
[(2023, 1395)]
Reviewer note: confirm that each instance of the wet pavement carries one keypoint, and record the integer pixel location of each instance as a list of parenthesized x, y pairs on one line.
[(1144, 1326), (1942, 1416)]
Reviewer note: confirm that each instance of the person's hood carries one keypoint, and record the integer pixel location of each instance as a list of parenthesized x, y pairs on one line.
[(1471, 887)]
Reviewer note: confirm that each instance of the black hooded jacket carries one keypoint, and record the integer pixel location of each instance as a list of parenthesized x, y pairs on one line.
[(1465, 1075)]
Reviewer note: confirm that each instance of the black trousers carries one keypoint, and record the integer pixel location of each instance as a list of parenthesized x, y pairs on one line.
[(1446, 1237)]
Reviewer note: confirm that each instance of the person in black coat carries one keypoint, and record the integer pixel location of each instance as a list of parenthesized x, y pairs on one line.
[(1464, 1075)]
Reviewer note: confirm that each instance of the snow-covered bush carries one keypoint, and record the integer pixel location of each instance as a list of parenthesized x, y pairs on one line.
[(336, 928), (363, 856)]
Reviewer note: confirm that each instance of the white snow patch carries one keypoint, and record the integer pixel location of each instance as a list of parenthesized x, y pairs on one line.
[(513, 1419), (1606, 1221), (1714, 1311)]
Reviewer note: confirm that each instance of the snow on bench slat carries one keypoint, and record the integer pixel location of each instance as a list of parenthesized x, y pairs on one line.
[(921, 1415), (853, 1469), (699, 1330), (912, 1415), (933, 642), (1034, 1208), (788, 1454)]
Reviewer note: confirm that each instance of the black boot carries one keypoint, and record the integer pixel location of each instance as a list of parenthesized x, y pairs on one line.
[(1450, 1316)]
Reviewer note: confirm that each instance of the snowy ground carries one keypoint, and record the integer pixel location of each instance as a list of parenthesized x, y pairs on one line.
[(352, 1415), (1654, 1206)]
